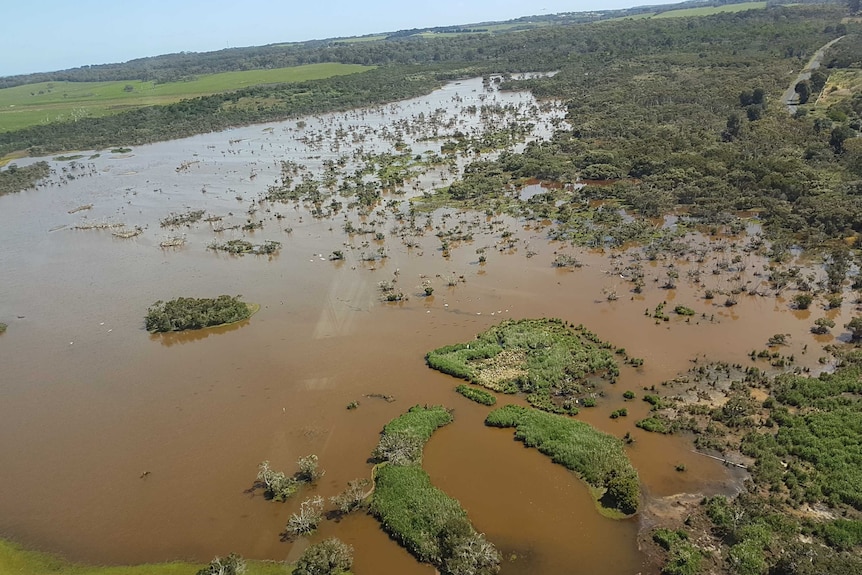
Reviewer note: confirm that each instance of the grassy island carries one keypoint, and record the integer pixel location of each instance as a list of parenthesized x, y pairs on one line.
[(186, 313), (597, 457), (553, 363), (430, 524)]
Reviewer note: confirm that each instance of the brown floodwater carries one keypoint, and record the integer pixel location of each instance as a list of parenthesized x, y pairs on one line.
[(90, 402)]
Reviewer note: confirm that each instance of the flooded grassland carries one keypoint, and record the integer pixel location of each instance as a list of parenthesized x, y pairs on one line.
[(119, 446)]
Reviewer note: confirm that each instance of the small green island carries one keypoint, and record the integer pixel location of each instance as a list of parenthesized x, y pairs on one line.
[(598, 458), (187, 313), (427, 522), (555, 364)]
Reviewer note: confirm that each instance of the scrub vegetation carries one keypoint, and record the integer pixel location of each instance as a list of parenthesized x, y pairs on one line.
[(598, 458), (196, 313), (553, 363), (430, 524), (801, 513), (15, 179)]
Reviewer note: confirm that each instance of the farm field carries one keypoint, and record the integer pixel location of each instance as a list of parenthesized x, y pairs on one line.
[(709, 10), (45, 102)]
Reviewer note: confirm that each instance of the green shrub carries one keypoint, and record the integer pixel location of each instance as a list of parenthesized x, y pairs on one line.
[(683, 557), (842, 534), (654, 425), (682, 310), (195, 313), (430, 524), (329, 557), (477, 395), (802, 300), (233, 564)]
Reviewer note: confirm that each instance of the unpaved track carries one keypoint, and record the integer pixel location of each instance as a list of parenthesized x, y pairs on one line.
[(790, 97)]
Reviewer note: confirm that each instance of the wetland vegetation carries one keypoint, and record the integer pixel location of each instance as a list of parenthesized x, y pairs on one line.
[(430, 524), (598, 458), (659, 159), (553, 363), (196, 313), (800, 439)]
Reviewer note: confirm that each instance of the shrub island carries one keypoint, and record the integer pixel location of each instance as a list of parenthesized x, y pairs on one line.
[(185, 313)]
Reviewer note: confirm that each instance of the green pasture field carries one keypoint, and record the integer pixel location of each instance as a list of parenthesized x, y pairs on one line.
[(709, 10), (19, 561), (46, 102)]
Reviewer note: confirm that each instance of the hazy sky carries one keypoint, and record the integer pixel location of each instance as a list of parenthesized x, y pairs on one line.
[(46, 35)]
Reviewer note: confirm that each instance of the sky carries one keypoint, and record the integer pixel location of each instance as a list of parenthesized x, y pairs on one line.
[(48, 35)]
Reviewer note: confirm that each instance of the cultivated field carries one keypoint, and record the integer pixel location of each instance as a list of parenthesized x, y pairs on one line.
[(46, 102), (708, 10)]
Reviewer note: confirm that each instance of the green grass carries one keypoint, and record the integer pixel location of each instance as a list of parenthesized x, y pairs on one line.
[(15, 560), (360, 39), (709, 10), (598, 458), (46, 102), (547, 359)]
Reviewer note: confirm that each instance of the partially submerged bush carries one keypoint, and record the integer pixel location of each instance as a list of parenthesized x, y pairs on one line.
[(308, 517), (351, 498), (279, 487)]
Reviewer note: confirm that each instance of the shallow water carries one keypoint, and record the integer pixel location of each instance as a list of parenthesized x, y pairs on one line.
[(89, 401)]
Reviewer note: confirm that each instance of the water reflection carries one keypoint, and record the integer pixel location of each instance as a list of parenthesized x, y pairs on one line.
[(170, 339)]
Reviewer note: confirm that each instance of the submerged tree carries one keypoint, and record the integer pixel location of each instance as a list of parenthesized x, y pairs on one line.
[(352, 497), (278, 486), (307, 518)]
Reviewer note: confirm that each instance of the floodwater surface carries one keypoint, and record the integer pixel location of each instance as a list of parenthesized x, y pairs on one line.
[(121, 447)]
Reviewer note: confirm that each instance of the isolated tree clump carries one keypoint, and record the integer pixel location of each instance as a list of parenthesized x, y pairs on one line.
[(195, 313), (329, 557), (233, 564), (855, 327), (352, 497), (279, 487)]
